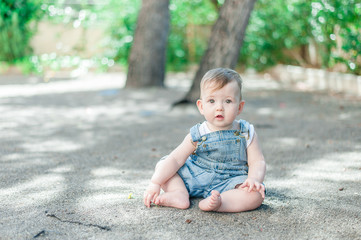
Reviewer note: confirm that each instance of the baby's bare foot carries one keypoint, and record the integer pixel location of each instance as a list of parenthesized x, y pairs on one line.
[(175, 199), (211, 203)]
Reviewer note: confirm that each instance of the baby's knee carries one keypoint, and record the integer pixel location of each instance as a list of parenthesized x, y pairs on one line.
[(253, 199), (159, 163)]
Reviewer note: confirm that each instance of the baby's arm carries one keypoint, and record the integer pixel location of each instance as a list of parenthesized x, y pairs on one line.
[(168, 169), (257, 167)]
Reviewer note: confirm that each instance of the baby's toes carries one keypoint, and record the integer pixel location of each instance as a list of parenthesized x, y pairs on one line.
[(215, 195)]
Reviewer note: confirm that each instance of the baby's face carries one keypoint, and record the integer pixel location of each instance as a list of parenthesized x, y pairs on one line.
[(221, 107)]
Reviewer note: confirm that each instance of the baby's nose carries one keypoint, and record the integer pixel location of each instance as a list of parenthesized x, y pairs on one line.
[(219, 107)]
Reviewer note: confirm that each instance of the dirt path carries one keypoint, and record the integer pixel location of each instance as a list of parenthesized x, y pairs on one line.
[(76, 156)]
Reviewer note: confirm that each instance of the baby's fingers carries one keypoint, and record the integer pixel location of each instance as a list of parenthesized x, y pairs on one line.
[(147, 199), (257, 186), (243, 185), (262, 194), (261, 190), (251, 186), (155, 197)]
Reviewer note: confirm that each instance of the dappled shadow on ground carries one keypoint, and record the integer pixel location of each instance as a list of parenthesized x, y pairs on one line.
[(85, 155)]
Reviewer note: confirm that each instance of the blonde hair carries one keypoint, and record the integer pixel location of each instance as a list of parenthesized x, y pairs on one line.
[(219, 77)]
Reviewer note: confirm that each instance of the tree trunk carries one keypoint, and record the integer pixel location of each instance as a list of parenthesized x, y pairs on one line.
[(225, 41), (148, 54)]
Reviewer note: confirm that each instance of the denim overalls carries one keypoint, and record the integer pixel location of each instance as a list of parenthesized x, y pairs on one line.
[(218, 163)]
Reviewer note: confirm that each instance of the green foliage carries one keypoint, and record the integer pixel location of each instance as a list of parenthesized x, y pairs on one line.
[(278, 32), (272, 28), (186, 43), (122, 17), (190, 22), (277, 26), (184, 46), (17, 26)]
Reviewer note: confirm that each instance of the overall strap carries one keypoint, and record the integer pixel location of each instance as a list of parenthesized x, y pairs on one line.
[(196, 136), (244, 126)]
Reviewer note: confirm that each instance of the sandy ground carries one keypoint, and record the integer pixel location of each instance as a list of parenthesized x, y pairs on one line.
[(77, 154)]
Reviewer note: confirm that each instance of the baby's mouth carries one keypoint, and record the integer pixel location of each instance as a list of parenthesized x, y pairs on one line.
[(219, 117)]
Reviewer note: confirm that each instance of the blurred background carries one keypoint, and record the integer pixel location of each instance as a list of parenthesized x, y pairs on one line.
[(42, 37)]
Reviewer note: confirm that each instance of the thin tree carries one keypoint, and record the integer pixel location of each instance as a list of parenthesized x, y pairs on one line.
[(148, 54), (225, 42)]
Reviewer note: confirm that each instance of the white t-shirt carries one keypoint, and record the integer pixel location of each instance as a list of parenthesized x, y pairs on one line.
[(203, 129)]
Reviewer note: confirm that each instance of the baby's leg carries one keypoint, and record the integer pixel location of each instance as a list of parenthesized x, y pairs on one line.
[(175, 194), (235, 200)]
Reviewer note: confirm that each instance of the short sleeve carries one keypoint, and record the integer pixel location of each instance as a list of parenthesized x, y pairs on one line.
[(251, 134), (248, 131)]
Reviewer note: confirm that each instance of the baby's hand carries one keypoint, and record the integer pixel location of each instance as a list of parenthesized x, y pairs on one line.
[(151, 193), (254, 185)]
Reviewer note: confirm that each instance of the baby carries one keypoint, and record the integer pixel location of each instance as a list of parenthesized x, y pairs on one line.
[(220, 159)]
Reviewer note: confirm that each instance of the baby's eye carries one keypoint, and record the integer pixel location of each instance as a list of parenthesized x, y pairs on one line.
[(228, 101), (211, 100)]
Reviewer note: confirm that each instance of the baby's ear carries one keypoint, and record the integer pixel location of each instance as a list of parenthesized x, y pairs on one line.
[(200, 106), (240, 107)]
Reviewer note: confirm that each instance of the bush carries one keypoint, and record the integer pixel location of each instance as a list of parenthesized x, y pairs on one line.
[(278, 32), (17, 25), (283, 31)]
